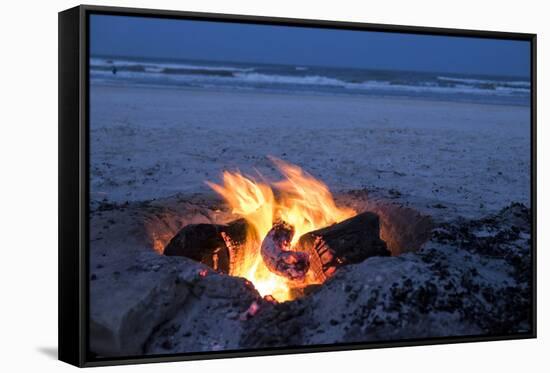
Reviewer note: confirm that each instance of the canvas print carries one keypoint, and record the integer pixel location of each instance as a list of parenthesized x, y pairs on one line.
[(258, 186)]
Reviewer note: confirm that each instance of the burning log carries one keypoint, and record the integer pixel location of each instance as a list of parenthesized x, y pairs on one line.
[(348, 242), (207, 243), (277, 255)]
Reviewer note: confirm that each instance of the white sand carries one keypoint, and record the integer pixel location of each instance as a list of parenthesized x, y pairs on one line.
[(149, 143)]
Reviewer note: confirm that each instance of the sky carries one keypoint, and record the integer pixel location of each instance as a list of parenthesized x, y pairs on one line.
[(218, 41)]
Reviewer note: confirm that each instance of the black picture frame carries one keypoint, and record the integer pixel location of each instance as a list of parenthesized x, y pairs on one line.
[(74, 179)]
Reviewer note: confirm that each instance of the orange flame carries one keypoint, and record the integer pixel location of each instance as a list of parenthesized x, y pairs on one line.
[(304, 202)]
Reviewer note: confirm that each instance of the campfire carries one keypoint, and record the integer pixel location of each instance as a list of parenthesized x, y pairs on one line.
[(290, 234)]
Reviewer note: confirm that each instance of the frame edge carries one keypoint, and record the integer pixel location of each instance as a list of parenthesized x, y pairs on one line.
[(70, 349)]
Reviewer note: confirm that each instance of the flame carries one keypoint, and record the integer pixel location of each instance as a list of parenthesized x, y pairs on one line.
[(306, 203), (303, 201)]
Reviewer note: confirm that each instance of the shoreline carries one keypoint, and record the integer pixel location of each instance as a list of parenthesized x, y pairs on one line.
[(396, 97)]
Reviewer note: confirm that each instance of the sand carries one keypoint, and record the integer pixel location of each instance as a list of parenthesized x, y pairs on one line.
[(459, 158)]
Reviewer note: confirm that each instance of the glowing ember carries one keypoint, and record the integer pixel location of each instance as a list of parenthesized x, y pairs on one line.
[(304, 202), (250, 312), (269, 298), (203, 273)]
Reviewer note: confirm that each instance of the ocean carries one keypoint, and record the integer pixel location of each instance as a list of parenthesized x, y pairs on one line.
[(131, 71)]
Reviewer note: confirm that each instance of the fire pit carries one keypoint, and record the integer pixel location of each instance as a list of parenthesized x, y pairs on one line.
[(384, 268), (290, 234)]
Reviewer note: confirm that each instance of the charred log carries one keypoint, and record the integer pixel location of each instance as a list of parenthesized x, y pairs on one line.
[(278, 256), (210, 244), (347, 242)]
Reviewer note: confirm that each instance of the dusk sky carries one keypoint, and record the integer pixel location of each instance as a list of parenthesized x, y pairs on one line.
[(200, 40)]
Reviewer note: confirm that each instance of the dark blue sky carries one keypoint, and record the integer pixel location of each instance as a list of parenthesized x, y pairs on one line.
[(181, 39)]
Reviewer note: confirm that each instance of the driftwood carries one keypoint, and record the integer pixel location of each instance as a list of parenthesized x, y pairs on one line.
[(209, 243), (347, 242), (277, 255)]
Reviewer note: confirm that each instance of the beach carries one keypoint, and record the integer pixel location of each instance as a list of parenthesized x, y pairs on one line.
[(422, 230), (453, 158)]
